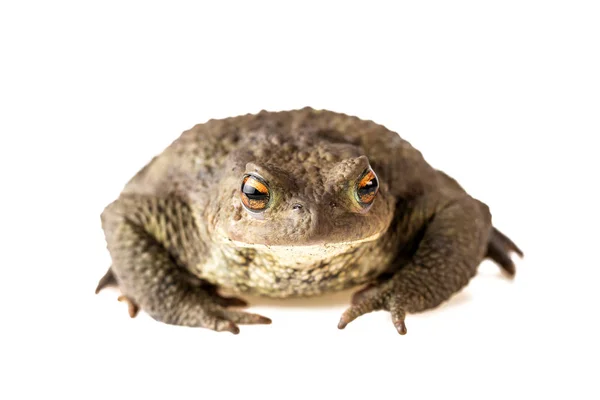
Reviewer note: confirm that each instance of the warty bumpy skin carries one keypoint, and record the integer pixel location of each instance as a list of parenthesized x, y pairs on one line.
[(294, 203)]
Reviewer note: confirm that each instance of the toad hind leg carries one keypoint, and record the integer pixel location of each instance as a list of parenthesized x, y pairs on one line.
[(447, 257), (139, 230)]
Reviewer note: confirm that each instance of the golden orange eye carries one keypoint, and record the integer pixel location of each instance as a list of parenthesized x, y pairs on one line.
[(255, 193), (367, 187)]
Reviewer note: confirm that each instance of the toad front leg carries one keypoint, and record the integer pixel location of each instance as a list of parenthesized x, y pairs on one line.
[(150, 239), (454, 243)]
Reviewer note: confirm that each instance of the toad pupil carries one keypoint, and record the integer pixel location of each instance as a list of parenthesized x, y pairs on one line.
[(255, 194), (367, 187)]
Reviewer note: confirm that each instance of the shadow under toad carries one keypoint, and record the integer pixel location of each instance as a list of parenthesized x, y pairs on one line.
[(335, 300)]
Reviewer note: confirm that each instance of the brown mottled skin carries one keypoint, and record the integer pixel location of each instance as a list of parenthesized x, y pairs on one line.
[(179, 230)]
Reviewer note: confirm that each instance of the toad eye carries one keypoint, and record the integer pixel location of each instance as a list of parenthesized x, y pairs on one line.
[(255, 193), (367, 187)]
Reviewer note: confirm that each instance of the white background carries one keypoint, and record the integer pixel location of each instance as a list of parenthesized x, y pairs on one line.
[(505, 97)]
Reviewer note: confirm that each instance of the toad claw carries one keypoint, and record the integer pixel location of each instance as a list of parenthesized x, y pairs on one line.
[(398, 316), (132, 307), (227, 320), (372, 298), (356, 310), (240, 317), (223, 325), (499, 250)]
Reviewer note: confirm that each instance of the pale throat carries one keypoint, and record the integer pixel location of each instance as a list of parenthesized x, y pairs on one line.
[(305, 256)]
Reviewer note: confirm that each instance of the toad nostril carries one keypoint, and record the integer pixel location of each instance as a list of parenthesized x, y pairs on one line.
[(297, 206), (333, 204)]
